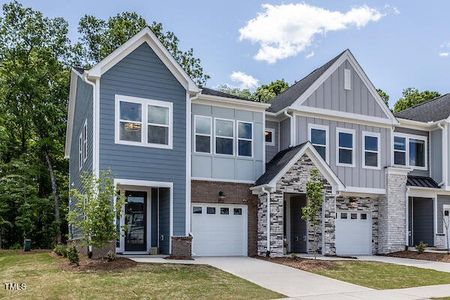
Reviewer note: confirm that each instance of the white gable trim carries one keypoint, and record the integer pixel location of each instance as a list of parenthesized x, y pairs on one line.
[(347, 55), (145, 36)]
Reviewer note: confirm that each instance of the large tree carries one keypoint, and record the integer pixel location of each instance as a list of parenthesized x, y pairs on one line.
[(384, 96), (263, 93), (98, 38), (412, 97)]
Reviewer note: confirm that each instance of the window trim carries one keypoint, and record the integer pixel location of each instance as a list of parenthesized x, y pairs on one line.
[(408, 136), (327, 138), (353, 133), (347, 79), (225, 137), (272, 130), (363, 152), (144, 121), (80, 151), (244, 139), (85, 145), (203, 134)]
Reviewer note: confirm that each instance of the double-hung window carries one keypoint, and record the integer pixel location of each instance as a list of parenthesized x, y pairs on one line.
[(143, 122), (318, 136), (371, 150), (269, 136), (245, 138), (202, 134), (224, 136), (80, 151), (345, 150), (410, 150), (85, 141)]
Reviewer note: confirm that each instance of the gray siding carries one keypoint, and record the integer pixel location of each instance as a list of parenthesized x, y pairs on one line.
[(421, 133), (209, 165), (142, 74), (441, 200), (351, 176), (83, 112), (285, 133), (436, 155), (332, 95), (272, 150)]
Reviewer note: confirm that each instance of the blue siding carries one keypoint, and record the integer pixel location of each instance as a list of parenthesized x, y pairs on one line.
[(143, 74)]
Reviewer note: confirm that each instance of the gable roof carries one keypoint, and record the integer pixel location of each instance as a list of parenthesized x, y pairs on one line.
[(146, 35), (436, 109), (286, 158), (290, 95)]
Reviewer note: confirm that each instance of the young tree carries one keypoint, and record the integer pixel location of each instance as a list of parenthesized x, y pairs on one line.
[(94, 212), (310, 212), (412, 97)]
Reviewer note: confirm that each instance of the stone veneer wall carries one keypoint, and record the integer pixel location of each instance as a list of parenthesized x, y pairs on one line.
[(362, 204)]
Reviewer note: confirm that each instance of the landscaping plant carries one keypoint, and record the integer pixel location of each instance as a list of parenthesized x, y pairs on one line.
[(314, 195), (72, 255), (420, 247)]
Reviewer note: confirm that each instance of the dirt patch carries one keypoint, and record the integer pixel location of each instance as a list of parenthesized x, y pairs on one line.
[(93, 265), (309, 265), (432, 256)]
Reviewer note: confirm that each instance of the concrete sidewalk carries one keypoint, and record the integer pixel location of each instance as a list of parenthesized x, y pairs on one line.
[(424, 264)]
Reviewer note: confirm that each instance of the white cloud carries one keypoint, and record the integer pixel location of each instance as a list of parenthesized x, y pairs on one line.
[(310, 54), (287, 29), (445, 50), (245, 81), (444, 54)]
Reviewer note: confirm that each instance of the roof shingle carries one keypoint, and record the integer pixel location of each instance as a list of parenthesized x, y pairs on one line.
[(430, 111)]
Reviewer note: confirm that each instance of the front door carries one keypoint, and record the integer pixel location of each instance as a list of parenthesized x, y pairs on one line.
[(298, 225), (135, 221), (446, 224)]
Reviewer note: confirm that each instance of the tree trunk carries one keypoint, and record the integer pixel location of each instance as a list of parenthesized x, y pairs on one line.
[(55, 196)]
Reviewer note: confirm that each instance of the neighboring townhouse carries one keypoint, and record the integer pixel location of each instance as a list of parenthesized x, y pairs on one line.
[(195, 161)]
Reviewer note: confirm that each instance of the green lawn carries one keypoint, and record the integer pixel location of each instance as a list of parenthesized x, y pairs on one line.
[(44, 279), (383, 276)]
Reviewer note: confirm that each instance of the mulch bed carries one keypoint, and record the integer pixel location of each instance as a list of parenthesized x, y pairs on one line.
[(93, 265), (432, 256), (302, 264)]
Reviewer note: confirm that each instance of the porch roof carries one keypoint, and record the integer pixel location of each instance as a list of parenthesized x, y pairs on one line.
[(421, 181)]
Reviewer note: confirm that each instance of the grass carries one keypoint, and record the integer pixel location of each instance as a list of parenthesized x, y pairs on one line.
[(44, 278), (383, 276)]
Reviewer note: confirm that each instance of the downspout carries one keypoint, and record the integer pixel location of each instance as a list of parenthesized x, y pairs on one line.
[(263, 189), (292, 129), (444, 156)]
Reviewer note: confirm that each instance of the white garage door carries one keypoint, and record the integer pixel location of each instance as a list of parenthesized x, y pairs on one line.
[(219, 230), (353, 233)]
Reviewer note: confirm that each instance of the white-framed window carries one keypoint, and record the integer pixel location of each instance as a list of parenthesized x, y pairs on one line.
[(224, 136), (371, 150), (269, 136), (345, 147), (80, 151), (347, 79), (144, 122), (203, 132), (318, 136), (245, 138), (410, 151), (85, 145)]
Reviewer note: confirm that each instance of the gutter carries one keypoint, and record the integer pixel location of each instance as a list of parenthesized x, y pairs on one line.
[(292, 129)]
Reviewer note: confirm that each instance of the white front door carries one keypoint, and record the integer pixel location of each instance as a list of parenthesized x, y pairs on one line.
[(219, 229), (353, 233)]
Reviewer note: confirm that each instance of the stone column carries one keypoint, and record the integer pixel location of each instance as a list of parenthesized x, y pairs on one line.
[(392, 212)]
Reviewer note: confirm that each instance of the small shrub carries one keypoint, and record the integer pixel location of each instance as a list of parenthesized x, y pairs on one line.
[(60, 250), (72, 255), (421, 247), (15, 246), (110, 256), (293, 256)]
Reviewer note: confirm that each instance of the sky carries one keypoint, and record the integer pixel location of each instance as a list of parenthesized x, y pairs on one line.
[(399, 44)]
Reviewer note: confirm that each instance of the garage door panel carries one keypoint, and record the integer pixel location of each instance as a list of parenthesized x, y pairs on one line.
[(219, 234), (353, 233)]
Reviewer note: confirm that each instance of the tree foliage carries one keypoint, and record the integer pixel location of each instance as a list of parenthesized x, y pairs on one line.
[(384, 96), (264, 93), (412, 97)]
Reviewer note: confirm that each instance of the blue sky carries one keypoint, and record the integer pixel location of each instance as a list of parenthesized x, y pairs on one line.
[(398, 43)]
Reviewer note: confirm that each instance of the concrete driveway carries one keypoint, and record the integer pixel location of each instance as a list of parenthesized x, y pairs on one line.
[(288, 281)]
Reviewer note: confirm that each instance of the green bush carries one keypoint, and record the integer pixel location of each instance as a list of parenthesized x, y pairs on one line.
[(72, 255), (60, 250), (15, 246), (110, 256), (421, 247)]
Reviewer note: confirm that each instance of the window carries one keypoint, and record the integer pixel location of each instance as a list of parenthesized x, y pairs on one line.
[(410, 151), (80, 151), (224, 211), (197, 210), (203, 134), (237, 211), (269, 136), (211, 210), (345, 147), (363, 216), (224, 134), (343, 215), (353, 216), (371, 150), (347, 79), (85, 141), (245, 139), (318, 136), (143, 122)]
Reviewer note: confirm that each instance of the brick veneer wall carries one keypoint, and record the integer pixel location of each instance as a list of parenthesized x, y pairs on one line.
[(235, 193)]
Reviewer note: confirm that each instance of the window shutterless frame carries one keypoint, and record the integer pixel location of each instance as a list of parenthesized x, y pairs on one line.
[(409, 137), (272, 132), (85, 150), (364, 150), (327, 138), (145, 103), (244, 139), (338, 147), (224, 137), (80, 151), (210, 135)]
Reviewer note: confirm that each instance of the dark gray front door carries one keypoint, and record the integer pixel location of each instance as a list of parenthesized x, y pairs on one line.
[(298, 225), (135, 221), (422, 220)]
